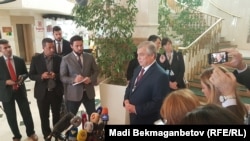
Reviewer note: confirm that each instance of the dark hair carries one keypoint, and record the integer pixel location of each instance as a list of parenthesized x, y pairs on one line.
[(75, 38), (165, 40), (46, 40), (3, 41), (211, 114), (56, 28), (153, 38)]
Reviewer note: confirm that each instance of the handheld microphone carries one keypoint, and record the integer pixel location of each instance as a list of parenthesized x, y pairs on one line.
[(72, 134), (95, 117), (84, 119), (104, 115), (88, 126), (82, 135), (61, 125), (99, 110), (76, 121)]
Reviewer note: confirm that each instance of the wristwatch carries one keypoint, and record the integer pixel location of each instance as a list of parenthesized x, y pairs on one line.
[(224, 98)]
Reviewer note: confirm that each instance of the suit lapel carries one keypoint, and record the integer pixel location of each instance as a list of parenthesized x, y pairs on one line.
[(5, 66), (145, 75), (74, 59)]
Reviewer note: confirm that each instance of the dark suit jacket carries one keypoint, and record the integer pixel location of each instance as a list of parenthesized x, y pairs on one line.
[(131, 66), (148, 95), (66, 49), (70, 68), (37, 68), (6, 91), (177, 66), (243, 77)]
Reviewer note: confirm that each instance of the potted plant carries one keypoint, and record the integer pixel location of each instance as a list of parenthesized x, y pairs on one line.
[(112, 25)]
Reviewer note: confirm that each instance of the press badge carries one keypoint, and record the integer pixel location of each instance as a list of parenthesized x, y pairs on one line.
[(167, 71), (171, 73)]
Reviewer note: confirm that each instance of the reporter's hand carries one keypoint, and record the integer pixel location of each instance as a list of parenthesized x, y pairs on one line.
[(225, 82), (236, 59)]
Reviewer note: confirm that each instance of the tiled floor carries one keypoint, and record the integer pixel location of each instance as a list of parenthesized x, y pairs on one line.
[(5, 133)]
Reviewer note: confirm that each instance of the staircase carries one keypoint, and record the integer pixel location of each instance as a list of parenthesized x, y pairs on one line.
[(195, 85)]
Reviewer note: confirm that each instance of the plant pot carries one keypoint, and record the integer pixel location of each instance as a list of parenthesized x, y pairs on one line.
[(112, 97)]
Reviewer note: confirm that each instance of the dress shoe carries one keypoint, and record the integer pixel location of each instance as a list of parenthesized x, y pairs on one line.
[(33, 137)]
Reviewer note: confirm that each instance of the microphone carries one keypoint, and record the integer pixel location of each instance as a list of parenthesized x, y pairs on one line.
[(82, 135), (104, 115), (99, 110), (95, 117), (89, 126), (72, 134), (84, 119), (61, 125)]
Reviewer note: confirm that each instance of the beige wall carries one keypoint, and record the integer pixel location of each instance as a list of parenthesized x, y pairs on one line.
[(236, 23), (147, 18)]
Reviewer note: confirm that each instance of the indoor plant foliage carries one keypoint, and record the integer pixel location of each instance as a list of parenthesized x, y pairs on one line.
[(112, 26), (182, 25)]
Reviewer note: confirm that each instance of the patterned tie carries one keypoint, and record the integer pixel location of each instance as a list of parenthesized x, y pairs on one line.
[(140, 76), (59, 51), (79, 60), (12, 73)]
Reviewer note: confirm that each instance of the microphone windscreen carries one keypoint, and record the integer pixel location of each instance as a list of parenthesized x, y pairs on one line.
[(76, 121), (62, 124), (105, 111), (84, 119), (94, 117), (99, 110), (72, 134), (82, 135), (89, 126)]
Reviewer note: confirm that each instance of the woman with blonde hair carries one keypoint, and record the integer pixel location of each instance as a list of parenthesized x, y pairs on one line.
[(177, 104), (215, 96)]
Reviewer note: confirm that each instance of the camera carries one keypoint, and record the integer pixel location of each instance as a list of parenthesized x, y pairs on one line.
[(217, 57)]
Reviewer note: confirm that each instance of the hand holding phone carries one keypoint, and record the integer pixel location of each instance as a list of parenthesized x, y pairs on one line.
[(218, 57)]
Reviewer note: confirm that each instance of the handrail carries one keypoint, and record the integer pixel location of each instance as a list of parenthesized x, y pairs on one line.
[(213, 3), (187, 47), (195, 54)]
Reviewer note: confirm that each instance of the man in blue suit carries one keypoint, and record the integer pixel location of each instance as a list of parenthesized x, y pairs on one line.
[(146, 91)]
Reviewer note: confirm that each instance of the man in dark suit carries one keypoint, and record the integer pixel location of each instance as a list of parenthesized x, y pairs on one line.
[(13, 90), (62, 46), (146, 91), (44, 70), (78, 72)]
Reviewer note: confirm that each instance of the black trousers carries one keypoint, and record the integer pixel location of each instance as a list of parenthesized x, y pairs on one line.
[(10, 111), (51, 101), (89, 104)]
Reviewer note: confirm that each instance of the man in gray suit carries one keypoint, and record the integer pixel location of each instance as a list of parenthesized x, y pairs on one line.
[(78, 72)]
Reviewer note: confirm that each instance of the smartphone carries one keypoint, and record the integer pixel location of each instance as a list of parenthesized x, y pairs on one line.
[(217, 57)]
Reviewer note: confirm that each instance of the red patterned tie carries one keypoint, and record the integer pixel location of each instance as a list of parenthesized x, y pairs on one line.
[(12, 73), (140, 75)]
